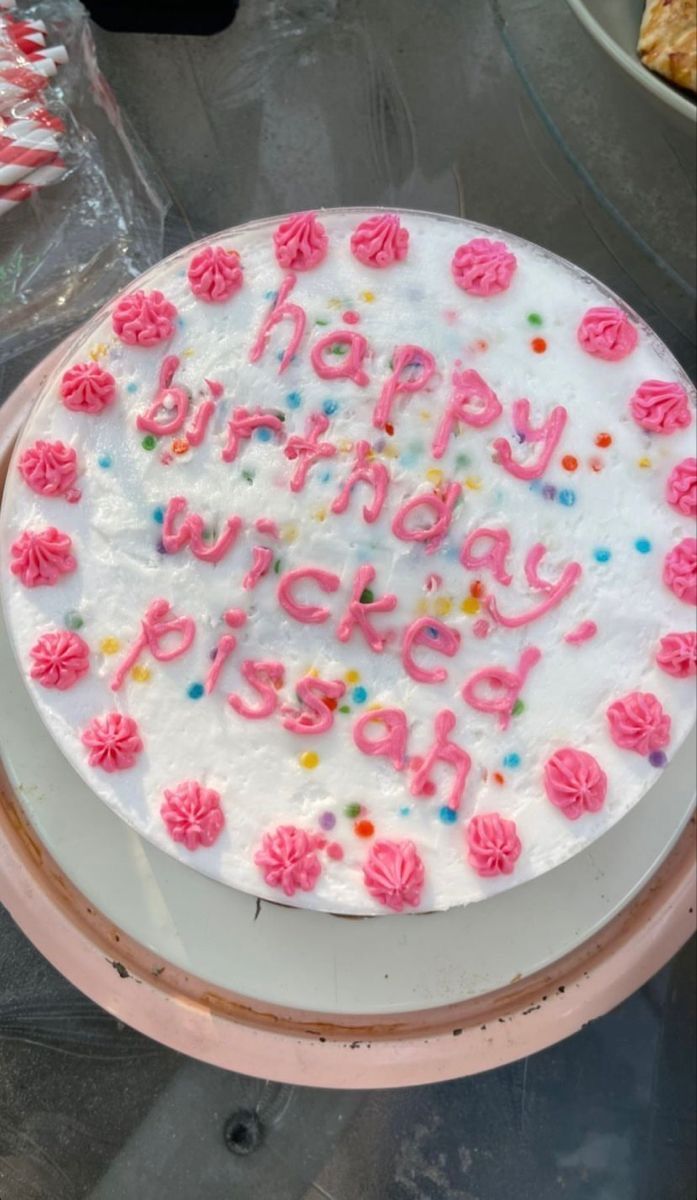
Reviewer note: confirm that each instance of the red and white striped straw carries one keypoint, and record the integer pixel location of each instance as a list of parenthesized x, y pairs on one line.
[(13, 195), (56, 54), (16, 83), (25, 146)]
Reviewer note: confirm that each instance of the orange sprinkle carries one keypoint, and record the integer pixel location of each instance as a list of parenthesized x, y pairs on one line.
[(498, 777), (481, 344), (595, 464), (477, 589), (569, 463), (604, 440), (180, 446), (389, 429), (364, 829), (539, 345), (329, 703)]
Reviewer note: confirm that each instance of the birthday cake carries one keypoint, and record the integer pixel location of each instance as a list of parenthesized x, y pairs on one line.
[(350, 559)]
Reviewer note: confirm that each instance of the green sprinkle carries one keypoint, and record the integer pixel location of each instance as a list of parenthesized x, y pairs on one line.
[(339, 348), (518, 708), (534, 319), (366, 596), (462, 460), (149, 442), (352, 811), (344, 708), (321, 321), (277, 566), (248, 475), (73, 620)]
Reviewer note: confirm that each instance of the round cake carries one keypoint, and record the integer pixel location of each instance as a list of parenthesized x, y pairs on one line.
[(350, 559)]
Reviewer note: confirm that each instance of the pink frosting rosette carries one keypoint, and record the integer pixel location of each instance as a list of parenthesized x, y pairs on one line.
[(50, 469), (638, 722), (113, 742), (681, 488), (87, 388), (575, 782), (288, 859), (483, 268), (661, 406), (215, 274), (40, 559), (677, 654), (394, 874), (380, 241), (192, 814), (607, 333), (493, 845), (300, 242), (144, 319), (59, 660), (680, 570)]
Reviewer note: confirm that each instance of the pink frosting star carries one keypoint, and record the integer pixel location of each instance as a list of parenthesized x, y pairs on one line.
[(638, 722), (575, 782), (607, 333), (394, 874), (143, 319), (113, 742), (680, 570), (215, 274), (40, 559), (677, 654), (661, 406), (681, 489), (87, 388), (192, 814), (483, 268), (59, 660), (380, 241), (50, 469), (493, 844), (300, 242), (288, 860)]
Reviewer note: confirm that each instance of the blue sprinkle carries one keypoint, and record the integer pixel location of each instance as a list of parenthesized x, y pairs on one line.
[(359, 695), (567, 497), (294, 400), (271, 295), (404, 810), (325, 476), (432, 631), (448, 815), (643, 545), (158, 515), (511, 760), (132, 387), (329, 407), (263, 434), (104, 461), (549, 491), (195, 691), (535, 486), (602, 554)]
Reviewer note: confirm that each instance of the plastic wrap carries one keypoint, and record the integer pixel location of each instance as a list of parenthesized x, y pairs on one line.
[(90, 217)]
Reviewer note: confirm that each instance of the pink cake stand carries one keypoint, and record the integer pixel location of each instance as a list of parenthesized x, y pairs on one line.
[(122, 967)]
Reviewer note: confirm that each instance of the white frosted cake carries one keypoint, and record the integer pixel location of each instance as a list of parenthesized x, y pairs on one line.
[(350, 559)]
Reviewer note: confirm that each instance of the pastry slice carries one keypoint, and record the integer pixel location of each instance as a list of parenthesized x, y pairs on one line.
[(668, 40)]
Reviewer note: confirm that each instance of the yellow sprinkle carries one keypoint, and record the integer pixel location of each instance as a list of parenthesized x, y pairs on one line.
[(313, 672), (471, 606), (373, 707), (391, 451), (422, 606), (140, 674), (352, 677), (345, 446), (369, 297), (289, 533), (473, 484), (110, 645), (188, 353), (309, 760), (321, 514), (98, 351), (334, 303), (434, 476), (443, 606), (425, 414), (644, 462)]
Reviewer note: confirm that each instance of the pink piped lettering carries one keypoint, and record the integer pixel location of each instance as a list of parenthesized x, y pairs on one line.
[(438, 507), (157, 624), (412, 369), (266, 525), (196, 433), (265, 678), (492, 557), (496, 690), (392, 745), (554, 594), (317, 716), (472, 403), (307, 614), (445, 751), (191, 530), (548, 435), (234, 618), (169, 409), (242, 424), (262, 559), (281, 310), (349, 365), (308, 450), (365, 470), (431, 634), (360, 607)]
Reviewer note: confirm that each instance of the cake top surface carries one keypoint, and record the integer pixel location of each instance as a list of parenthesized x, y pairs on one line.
[(350, 558)]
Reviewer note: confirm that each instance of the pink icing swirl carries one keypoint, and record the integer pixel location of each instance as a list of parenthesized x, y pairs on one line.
[(380, 241), (39, 559), (638, 722), (144, 319), (607, 333), (50, 469), (575, 782), (300, 242), (483, 268), (394, 874), (59, 660), (87, 388), (681, 489), (288, 859), (215, 274), (680, 570), (113, 742), (661, 406), (192, 814), (493, 844), (677, 655)]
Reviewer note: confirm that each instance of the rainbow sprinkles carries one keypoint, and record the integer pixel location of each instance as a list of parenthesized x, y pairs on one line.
[(351, 560)]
